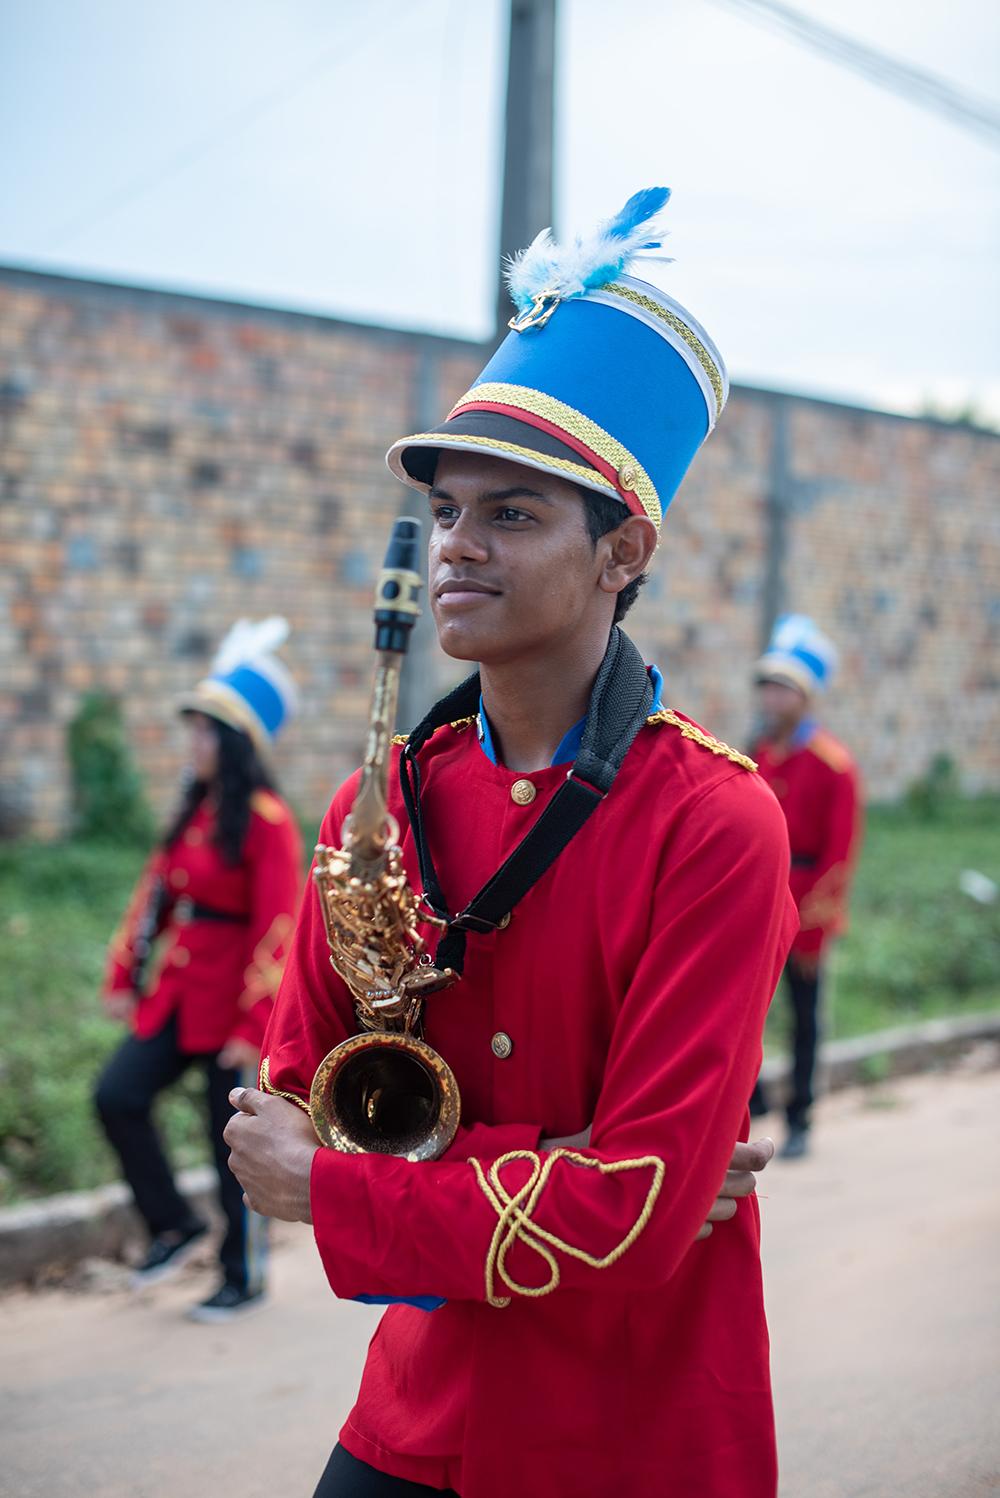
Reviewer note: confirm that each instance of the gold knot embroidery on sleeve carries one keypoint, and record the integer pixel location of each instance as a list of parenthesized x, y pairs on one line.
[(514, 1217), (262, 977)]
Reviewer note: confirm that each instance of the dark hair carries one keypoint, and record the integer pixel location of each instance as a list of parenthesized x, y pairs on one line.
[(605, 514), (240, 773)]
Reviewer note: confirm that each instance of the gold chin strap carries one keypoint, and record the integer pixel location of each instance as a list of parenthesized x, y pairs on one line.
[(514, 1217)]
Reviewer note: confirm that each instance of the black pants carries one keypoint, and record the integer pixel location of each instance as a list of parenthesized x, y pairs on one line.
[(124, 1096), (346, 1477), (803, 991)]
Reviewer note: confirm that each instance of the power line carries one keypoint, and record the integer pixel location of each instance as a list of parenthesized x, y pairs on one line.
[(240, 119), (916, 86)]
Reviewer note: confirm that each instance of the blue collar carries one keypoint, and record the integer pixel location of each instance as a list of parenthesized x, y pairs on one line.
[(803, 733), (570, 744)]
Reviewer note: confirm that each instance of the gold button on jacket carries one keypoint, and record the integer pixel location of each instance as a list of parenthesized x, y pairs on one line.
[(501, 1045), (523, 792)]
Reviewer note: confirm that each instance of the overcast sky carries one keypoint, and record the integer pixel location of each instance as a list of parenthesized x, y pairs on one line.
[(345, 158)]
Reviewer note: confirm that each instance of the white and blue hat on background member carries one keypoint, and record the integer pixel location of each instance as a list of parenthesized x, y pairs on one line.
[(249, 688), (603, 379), (798, 655)]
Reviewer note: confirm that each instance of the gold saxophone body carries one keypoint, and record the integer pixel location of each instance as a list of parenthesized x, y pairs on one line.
[(384, 1090)]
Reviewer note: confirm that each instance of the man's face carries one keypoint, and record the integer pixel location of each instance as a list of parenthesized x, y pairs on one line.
[(511, 566), (781, 707)]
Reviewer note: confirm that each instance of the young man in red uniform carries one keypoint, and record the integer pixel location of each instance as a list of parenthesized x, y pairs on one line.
[(588, 1336), (194, 967), (816, 782)]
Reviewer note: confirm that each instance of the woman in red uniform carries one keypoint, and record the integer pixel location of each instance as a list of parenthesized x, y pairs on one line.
[(195, 964)]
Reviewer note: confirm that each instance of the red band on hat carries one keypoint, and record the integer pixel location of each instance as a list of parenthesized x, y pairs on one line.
[(528, 418)]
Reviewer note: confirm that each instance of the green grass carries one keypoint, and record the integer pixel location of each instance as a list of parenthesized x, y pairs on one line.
[(918, 947), (58, 906)]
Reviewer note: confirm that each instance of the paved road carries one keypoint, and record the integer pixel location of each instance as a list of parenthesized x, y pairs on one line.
[(883, 1284)]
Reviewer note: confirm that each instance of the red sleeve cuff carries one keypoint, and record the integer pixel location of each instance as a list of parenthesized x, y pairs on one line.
[(490, 1141), (810, 943), (339, 1198)]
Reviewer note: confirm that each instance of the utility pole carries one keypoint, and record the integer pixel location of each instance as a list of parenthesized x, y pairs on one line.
[(526, 207), (528, 133)]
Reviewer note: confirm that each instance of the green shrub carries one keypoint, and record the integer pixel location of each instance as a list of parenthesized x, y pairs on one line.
[(108, 797), (936, 791)]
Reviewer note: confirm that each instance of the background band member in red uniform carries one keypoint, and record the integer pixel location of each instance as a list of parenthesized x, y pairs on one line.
[(195, 964), (816, 782), (605, 1037)]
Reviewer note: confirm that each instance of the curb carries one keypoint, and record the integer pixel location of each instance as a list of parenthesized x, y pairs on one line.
[(61, 1230), (58, 1231), (899, 1052)]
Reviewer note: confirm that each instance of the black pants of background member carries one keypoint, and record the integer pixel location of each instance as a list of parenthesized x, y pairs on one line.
[(803, 990), (137, 1072), (346, 1477)]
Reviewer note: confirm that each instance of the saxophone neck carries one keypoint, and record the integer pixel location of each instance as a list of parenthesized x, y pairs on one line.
[(370, 826)]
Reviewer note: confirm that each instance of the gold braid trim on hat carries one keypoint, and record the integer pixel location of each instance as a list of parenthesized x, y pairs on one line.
[(265, 1086), (514, 1217), (630, 473), (699, 736), (579, 471), (681, 328)]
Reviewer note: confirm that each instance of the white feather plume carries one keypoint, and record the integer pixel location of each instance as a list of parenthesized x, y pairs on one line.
[(589, 260), (250, 640)]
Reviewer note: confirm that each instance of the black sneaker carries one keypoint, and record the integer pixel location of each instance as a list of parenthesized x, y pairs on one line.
[(796, 1146), (166, 1255), (228, 1303)]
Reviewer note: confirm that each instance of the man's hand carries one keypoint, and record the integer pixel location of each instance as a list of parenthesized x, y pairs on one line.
[(272, 1144), (239, 1055), (120, 1005), (740, 1180)]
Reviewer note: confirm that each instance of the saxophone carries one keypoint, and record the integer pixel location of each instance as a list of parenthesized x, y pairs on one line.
[(384, 1090)]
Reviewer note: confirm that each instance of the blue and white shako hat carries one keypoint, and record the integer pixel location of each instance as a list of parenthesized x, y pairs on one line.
[(798, 654), (249, 688), (603, 379)]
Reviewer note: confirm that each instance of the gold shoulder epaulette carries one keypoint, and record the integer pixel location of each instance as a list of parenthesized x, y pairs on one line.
[(699, 736), (826, 748), (458, 725), (268, 807)]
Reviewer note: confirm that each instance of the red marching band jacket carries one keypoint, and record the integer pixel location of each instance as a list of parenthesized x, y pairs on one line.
[(818, 787), (218, 976), (587, 1343)]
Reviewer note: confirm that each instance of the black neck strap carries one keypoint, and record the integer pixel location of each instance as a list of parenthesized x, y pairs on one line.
[(619, 705)]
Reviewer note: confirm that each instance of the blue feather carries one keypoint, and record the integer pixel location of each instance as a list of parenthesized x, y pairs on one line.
[(588, 261), (642, 205)]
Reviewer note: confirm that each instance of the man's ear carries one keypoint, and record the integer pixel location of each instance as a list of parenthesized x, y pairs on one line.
[(629, 551)]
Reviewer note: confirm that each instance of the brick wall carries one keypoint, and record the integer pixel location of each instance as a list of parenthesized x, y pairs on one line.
[(170, 463)]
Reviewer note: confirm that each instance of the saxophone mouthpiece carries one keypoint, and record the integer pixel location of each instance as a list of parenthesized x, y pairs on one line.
[(397, 592)]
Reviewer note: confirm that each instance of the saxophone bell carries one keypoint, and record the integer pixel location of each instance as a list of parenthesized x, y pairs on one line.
[(382, 1093)]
